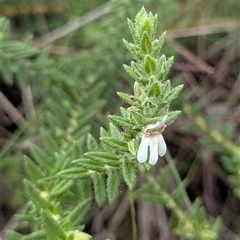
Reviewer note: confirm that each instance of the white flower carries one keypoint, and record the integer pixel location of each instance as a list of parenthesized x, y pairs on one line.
[(153, 140)]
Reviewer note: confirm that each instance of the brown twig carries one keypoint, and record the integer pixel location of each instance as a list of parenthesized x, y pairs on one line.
[(203, 30), (28, 104), (184, 52), (74, 25), (13, 113)]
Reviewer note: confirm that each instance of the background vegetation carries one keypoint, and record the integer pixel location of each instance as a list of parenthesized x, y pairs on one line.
[(61, 66)]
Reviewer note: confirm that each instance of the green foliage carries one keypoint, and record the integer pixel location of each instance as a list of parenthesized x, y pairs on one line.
[(16, 56), (229, 150), (63, 180)]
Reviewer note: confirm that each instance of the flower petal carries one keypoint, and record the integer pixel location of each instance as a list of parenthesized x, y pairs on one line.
[(151, 126), (153, 150), (142, 153), (164, 118), (162, 147)]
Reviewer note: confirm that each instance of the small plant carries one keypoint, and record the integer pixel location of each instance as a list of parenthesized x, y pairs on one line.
[(60, 185)]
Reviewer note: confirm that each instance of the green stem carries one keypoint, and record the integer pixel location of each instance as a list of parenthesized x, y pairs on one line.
[(169, 202), (133, 214), (178, 180)]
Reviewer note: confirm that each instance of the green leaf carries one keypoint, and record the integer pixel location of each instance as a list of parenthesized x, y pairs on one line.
[(125, 113), (93, 92), (92, 145), (193, 211), (33, 170), (41, 157), (61, 162), (132, 147), (99, 187), (157, 45), (146, 44), (172, 94), (132, 30), (37, 197), (7, 71), (154, 90), (70, 237), (37, 235), (76, 152), (172, 116), (48, 141), (149, 64), (89, 164), (163, 175), (12, 235), (113, 181), (28, 218), (90, 112), (115, 131), (126, 98), (77, 214), (51, 227), (22, 77), (136, 117), (85, 187), (81, 132), (146, 27), (168, 66), (74, 173), (4, 28), (121, 121), (134, 50), (105, 147), (130, 71), (58, 112), (104, 158), (114, 143), (61, 187), (129, 172)]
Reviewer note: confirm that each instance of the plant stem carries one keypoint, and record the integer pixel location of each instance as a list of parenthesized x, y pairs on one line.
[(178, 179), (133, 214)]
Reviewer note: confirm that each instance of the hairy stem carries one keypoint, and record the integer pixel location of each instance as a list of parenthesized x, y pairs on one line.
[(133, 214)]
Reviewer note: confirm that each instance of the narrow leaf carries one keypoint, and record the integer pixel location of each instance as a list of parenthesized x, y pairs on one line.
[(74, 173), (12, 235), (76, 152), (149, 64), (115, 143), (115, 131), (113, 181), (49, 142), (61, 187), (85, 187), (37, 235), (99, 187), (129, 175), (121, 121), (173, 93), (89, 164), (104, 158), (92, 145), (35, 196), (33, 170), (41, 157), (77, 214), (51, 227), (126, 98)]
